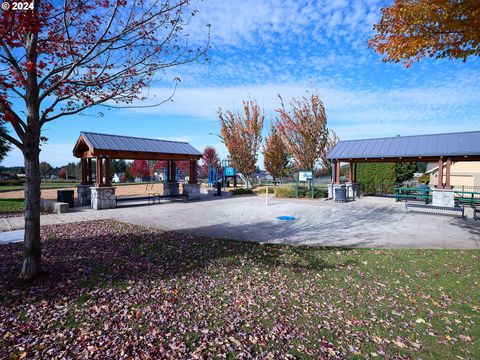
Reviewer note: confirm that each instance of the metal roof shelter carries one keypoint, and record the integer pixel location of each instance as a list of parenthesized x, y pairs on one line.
[(105, 147), (461, 146)]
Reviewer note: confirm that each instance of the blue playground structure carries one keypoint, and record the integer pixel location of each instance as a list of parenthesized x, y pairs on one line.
[(229, 172), (212, 175), (178, 175)]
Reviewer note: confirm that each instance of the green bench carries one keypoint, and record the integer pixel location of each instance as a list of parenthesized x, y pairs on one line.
[(471, 198), (411, 193)]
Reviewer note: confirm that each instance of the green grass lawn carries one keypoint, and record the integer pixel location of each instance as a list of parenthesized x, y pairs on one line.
[(6, 188), (9, 205), (114, 288)]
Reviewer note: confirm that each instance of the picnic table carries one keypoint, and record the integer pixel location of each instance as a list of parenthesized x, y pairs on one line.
[(415, 193)]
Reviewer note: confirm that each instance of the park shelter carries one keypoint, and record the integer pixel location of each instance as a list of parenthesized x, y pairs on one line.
[(441, 148), (106, 147)]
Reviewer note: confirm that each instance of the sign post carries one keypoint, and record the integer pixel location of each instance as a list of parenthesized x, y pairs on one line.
[(306, 176)]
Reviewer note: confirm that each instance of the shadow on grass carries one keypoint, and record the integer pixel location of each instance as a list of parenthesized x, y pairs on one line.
[(102, 253)]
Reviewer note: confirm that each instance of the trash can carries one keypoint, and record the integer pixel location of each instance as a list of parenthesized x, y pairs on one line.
[(341, 194), (219, 188), (66, 196)]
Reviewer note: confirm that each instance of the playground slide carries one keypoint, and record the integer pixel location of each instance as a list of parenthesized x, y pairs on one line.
[(240, 175)]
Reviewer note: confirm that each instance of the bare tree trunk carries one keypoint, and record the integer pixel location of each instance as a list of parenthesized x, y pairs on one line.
[(31, 152), (31, 244)]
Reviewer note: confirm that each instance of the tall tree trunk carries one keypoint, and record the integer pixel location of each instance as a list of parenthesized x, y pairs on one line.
[(31, 244)]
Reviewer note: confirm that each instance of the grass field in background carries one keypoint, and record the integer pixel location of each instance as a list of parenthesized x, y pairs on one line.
[(11, 205)]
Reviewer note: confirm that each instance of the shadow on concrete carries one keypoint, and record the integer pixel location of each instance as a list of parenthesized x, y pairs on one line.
[(347, 227)]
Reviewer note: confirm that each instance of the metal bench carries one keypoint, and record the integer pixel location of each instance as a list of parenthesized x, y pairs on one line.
[(436, 210), (151, 198)]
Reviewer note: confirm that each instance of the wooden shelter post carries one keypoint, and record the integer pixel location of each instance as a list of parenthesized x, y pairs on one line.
[(83, 166), (337, 172), (193, 172), (107, 172), (99, 178), (447, 175), (440, 174), (89, 171), (350, 172), (171, 171)]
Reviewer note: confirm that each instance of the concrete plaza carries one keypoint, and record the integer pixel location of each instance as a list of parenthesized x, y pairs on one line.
[(367, 222)]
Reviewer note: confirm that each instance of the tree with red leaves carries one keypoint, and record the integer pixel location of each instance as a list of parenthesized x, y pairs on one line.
[(410, 30), (139, 169), (62, 58), (304, 130), (242, 135), (210, 157), (155, 166), (62, 173), (275, 156), (331, 142)]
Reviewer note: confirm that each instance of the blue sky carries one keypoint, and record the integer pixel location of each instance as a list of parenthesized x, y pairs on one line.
[(264, 48)]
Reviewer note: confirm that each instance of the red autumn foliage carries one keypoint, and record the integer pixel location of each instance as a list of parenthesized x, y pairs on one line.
[(242, 135), (139, 169), (62, 173), (64, 57), (304, 130), (210, 157)]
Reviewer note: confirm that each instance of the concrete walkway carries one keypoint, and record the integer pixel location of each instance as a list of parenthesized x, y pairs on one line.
[(367, 222)]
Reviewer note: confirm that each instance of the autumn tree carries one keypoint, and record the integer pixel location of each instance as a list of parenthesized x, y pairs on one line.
[(156, 165), (304, 130), (62, 173), (45, 169), (139, 169), (209, 157), (409, 30), (275, 156), (61, 58), (332, 140), (242, 135)]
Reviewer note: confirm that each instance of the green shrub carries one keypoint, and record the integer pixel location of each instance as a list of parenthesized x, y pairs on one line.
[(284, 192), (242, 191), (303, 192), (11, 182)]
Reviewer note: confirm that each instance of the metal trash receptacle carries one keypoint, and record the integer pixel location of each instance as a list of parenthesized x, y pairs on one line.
[(219, 188), (341, 194), (66, 196)]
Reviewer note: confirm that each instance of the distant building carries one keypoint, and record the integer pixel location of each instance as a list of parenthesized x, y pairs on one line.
[(463, 173), (117, 177)]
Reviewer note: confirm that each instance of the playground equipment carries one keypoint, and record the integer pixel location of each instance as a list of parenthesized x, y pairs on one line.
[(229, 175), (212, 175), (229, 172)]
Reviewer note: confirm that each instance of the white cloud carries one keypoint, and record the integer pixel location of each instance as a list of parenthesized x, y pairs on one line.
[(54, 154), (397, 110)]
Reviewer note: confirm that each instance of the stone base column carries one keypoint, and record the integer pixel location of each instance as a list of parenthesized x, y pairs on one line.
[(192, 191), (103, 198), (443, 197), (84, 195), (171, 189)]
